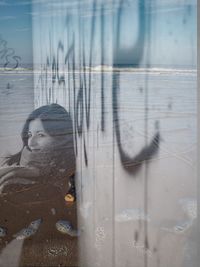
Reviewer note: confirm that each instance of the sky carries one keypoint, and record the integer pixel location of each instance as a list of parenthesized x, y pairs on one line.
[(16, 28), (169, 41)]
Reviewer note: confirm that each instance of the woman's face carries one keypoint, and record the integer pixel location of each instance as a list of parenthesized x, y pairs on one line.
[(38, 138)]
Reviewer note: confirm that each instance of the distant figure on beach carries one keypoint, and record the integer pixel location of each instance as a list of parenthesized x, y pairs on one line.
[(37, 190)]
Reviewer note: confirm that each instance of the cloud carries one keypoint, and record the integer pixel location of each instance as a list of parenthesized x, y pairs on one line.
[(84, 13), (97, 13), (7, 17), (22, 29), (85, 8), (170, 3), (3, 3), (160, 10), (30, 2), (82, 8), (68, 3), (63, 4)]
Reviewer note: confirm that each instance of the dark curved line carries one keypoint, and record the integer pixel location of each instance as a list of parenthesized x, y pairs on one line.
[(138, 48), (79, 111), (131, 164)]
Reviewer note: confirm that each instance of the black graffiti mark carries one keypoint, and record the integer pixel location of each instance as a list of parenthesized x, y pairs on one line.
[(74, 94), (135, 52), (79, 110), (87, 89), (8, 56), (61, 78), (81, 102), (130, 164), (102, 74), (85, 154), (82, 91)]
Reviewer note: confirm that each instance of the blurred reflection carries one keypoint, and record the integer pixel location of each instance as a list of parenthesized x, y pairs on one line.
[(35, 189)]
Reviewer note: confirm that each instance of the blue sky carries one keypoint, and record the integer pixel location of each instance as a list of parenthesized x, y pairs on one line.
[(173, 27), (16, 27)]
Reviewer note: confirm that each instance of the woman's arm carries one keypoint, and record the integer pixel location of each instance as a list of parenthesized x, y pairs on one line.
[(17, 174), (19, 171)]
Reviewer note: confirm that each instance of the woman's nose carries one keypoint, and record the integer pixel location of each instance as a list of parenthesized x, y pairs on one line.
[(32, 142)]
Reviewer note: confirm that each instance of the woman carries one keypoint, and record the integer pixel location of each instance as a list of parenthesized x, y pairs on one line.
[(33, 190)]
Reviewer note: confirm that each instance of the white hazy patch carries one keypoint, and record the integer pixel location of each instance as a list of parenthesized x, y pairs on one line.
[(85, 209), (53, 211), (182, 227), (29, 231), (10, 255), (152, 70), (179, 228), (131, 215), (189, 206)]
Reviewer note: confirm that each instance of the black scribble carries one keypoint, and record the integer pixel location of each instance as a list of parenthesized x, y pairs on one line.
[(7, 56)]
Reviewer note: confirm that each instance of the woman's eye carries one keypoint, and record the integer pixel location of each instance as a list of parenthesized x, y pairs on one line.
[(41, 134), (29, 135)]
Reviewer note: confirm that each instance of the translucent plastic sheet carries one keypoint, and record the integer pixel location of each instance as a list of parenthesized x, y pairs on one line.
[(101, 120)]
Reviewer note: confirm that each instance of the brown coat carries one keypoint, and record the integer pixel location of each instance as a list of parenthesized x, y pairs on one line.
[(47, 247)]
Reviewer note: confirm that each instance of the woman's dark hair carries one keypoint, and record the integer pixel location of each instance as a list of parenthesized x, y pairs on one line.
[(62, 125)]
